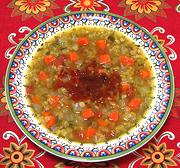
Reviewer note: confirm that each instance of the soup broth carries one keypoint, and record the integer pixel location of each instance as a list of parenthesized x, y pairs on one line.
[(89, 84)]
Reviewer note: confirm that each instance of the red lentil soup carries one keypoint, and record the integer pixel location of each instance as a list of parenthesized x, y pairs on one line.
[(89, 84)]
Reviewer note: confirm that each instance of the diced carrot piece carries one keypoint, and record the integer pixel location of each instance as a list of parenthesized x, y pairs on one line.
[(102, 123), (35, 99), (87, 113), (73, 56), (48, 59), (114, 116), (42, 75), (90, 132), (125, 87), (126, 61), (144, 73), (46, 113), (54, 100), (51, 121), (83, 41), (101, 44), (135, 103), (104, 59)]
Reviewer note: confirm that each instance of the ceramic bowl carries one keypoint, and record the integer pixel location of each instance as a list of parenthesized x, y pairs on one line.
[(136, 137)]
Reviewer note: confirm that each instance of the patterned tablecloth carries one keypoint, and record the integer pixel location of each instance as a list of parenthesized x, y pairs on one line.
[(160, 17)]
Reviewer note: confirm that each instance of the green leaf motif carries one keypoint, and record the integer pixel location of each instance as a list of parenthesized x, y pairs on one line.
[(5, 161)]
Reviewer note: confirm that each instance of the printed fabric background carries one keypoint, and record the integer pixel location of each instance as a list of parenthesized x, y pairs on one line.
[(160, 17)]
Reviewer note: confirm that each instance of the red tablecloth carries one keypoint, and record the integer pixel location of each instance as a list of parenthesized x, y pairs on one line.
[(161, 17)]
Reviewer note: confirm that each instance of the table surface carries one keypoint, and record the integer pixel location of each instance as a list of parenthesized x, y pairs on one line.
[(160, 17)]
